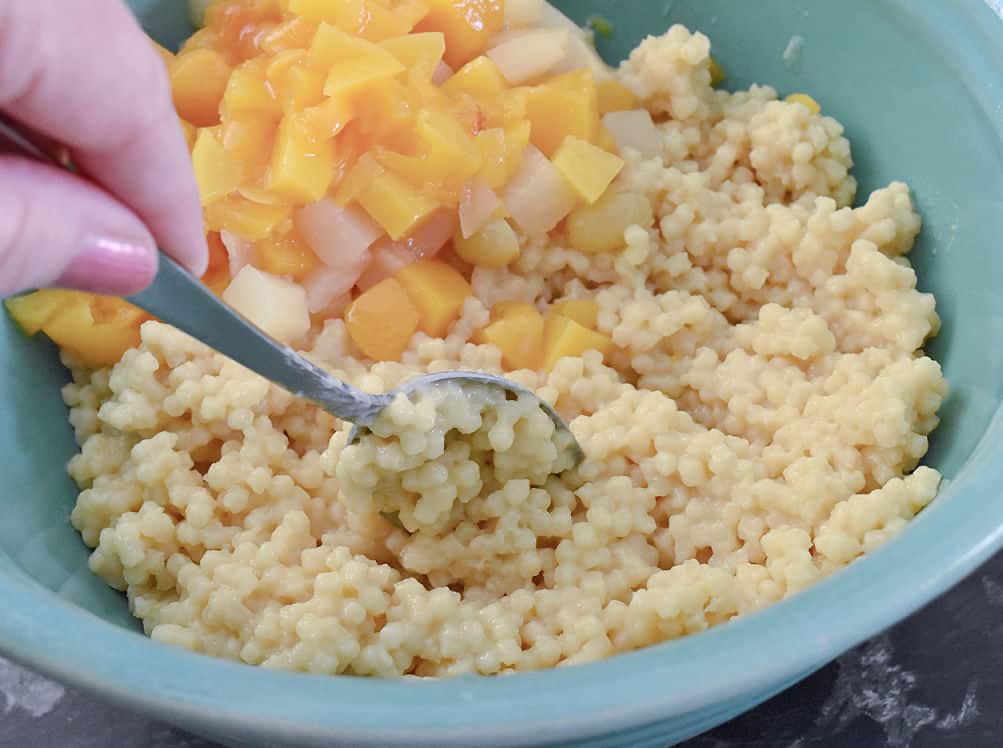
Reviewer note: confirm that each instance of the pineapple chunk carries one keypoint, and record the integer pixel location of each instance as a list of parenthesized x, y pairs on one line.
[(600, 227), (394, 204), (32, 311), (563, 106), (613, 96), (467, 24), (494, 246), (805, 100), (248, 220), (564, 337), (583, 311), (302, 165), (519, 337), (420, 53), (437, 291), (382, 320), (276, 305), (199, 78), (587, 168), (479, 78), (217, 172)]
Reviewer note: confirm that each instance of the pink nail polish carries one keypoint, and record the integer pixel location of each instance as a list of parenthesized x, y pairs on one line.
[(109, 266)]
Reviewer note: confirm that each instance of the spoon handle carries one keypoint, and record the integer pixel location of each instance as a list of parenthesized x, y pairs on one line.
[(177, 298)]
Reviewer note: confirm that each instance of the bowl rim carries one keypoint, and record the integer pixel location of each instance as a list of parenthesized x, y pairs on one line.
[(657, 683)]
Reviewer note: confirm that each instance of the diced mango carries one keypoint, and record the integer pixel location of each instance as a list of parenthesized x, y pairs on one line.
[(480, 78), (613, 96), (34, 310), (601, 227), (805, 100), (450, 153), (199, 78), (249, 220), (587, 168), (565, 105), (467, 24), (331, 46), (394, 204), (248, 92), (217, 172), (494, 246), (564, 337), (382, 320), (385, 114), (420, 53), (302, 165), (437, 291), (519, 337), (287, 256), (583, 311)]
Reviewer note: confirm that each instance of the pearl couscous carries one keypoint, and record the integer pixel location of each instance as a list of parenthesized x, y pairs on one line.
[(752, 399)]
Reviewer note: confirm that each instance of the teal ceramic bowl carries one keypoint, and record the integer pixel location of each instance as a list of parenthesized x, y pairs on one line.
[(919, 85)]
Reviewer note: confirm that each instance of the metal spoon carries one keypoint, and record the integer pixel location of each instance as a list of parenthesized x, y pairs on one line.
[(179, 299)]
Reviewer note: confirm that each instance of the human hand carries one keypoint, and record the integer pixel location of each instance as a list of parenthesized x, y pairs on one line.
[(83, 73)]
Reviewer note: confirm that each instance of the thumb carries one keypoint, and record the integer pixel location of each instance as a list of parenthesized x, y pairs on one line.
[(58, 230)]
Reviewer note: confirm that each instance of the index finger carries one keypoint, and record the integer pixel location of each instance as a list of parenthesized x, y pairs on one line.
[(84, 73)]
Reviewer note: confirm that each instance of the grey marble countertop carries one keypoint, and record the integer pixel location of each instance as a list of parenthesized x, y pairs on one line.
[(934, 681)]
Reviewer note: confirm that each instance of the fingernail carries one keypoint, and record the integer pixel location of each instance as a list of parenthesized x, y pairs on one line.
[(110, 266)]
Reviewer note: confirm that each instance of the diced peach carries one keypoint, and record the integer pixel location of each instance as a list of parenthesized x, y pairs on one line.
[(361, 174), (354, 76), (295, 33), (395, 204), (365, 18), (563, 106), (587, 168), (437, 291), (249, 220), (583, 311), (328, 118), (613, 96), (217, 172), (564, 337), (480, 78), (467, 24), (32, 311), (198, 81), (248, 92), (302, 165), (512, 309), (519, 337), (249, 141), (294, 85), (382, 320), (287, 256), (449, 151), (420, 53), (97, 343)]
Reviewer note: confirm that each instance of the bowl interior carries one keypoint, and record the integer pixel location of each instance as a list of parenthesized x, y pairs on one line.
[(917, 107)]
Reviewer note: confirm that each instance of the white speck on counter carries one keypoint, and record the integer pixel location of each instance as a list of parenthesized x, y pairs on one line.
[(792, 53), (26, 691), (871, 684)]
